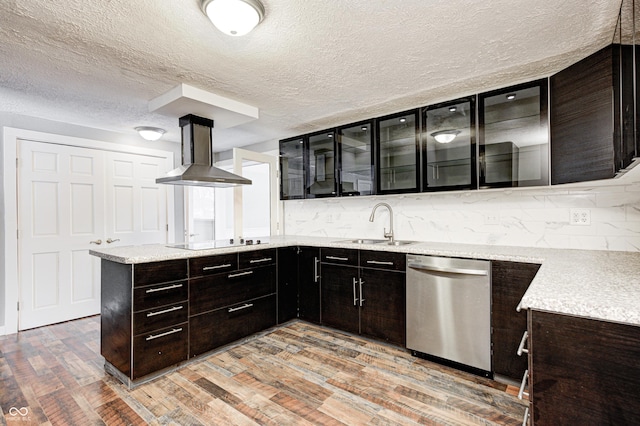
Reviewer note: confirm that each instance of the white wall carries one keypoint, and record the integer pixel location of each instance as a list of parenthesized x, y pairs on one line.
[(536, 217)]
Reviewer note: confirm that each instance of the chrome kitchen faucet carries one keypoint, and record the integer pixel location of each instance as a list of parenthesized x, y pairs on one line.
[(389, 234)]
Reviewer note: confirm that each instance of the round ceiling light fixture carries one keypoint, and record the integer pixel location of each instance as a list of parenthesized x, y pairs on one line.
[(445, 136), (150, 133), (234, 17)]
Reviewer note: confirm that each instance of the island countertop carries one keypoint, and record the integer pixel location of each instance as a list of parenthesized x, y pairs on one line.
[(603, 285)]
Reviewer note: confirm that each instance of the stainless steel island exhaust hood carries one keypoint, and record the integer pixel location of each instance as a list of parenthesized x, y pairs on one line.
[(197, 158)]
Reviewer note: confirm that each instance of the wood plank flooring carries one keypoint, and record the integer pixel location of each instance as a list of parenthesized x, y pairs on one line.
[(296, 374)]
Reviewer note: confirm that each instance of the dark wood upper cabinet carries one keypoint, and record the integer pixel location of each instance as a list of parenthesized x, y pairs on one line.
[(292, 168), (449, 146), (397, 153), (592, 117), (355, 151), (513, 136), (321, 165)]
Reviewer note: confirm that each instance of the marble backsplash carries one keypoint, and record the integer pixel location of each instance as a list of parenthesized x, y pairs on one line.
[(535, 217)]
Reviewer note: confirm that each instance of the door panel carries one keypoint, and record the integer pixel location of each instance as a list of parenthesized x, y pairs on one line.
[(60, 210)]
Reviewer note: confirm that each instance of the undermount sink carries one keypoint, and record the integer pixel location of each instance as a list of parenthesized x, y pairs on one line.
[(372, 241), (399, 242), (363, 241)]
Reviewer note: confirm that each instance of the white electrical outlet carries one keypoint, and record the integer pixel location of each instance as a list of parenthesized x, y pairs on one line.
[(580, 217)]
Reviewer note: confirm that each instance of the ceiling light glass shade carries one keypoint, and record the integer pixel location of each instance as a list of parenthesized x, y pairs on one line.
[(234, 17), (150, 133), (445, 136)]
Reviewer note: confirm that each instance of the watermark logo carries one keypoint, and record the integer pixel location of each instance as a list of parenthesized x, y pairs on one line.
[(18, 414)]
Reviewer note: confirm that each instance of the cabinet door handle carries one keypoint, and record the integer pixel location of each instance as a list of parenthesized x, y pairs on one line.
[(240, 274), (166, 333), (525, 419), (245, 306), (525, 378), (316, 262), (166, 311), (170, 287), (378, 262), (337, 258), (355, 297), (521, 348), (209, 268), (264, 259), (361, 293)]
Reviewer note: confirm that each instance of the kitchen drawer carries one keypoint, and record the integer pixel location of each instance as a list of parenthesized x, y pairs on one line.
[(211, 330), (159, 295), (159, 272), (161, 349), (339, 256), (221, 290), (160, 317), (208, 265), (383, 260), (251, 259)]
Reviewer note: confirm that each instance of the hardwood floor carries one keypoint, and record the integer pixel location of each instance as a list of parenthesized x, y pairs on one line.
[(296, 374)]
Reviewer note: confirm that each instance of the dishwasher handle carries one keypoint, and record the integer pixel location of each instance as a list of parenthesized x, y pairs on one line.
[(448, 269)]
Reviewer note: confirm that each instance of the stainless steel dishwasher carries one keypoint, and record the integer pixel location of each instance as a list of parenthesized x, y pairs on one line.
[(449, 311)]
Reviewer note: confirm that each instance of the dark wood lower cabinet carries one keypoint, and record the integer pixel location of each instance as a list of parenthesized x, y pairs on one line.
[(213, 329), (288, 283), (509, 282), (382, 314), (340, 297), (160, 349), (309, 284), (583, 371)]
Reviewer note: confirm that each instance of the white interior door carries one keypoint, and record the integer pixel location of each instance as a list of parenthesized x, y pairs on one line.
[(71, 199), (136, 205), (60, 211)]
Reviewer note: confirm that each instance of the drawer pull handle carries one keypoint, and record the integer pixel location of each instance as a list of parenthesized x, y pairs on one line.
[(264, 259), (361, 293), (170, 287), (166, 311), (209, 268), (355, 296), (166, 333), (525, 419), (377, 262), (337, 258), (240, 274), (245, 306), (316, 276), (521, 348), (525, 378)]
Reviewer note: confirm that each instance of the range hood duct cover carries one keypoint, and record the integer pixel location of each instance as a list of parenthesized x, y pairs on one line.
[(197, 158)]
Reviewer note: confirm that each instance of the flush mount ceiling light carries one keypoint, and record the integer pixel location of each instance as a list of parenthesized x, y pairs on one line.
[(234, 17), (511, 96), (445, 136), (150, 133)]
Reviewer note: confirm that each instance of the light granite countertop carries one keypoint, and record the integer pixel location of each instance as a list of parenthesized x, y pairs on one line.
[(602, 285)]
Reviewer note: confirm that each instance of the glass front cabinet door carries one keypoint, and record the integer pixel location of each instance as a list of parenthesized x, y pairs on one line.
[(397, 165), (514, 136), (292, 169), (355, 176), (449, 146), (321, 165)]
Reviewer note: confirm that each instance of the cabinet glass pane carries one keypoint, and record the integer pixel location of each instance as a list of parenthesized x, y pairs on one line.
[(449, 146), (514, 140), (398, 155), (292, 169), (356, 175), (321, 165)]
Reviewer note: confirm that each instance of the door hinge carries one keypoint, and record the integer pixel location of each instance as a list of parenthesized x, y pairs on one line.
[(167, 227), (17, 234), (17, 306), (17, 163)]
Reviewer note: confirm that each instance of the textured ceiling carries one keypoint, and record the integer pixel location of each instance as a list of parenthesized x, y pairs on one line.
[(307, 66)]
